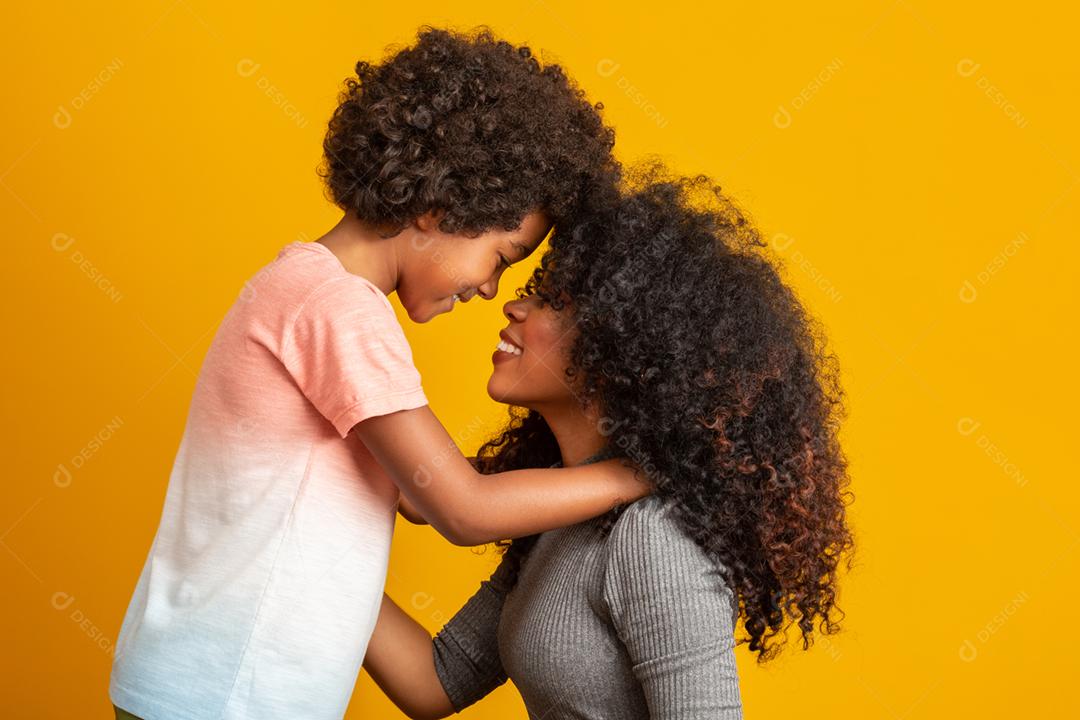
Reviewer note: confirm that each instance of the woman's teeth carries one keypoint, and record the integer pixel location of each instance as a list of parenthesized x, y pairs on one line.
[(507, 347)]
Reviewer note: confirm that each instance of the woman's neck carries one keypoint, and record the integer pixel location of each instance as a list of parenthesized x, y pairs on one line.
[(576, 431)]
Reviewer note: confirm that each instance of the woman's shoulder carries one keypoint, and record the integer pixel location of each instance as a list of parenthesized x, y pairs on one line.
[(650, 555), (650, 518), (650, 528)]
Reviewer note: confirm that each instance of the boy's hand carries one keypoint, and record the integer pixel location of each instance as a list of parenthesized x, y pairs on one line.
[(632, 482)]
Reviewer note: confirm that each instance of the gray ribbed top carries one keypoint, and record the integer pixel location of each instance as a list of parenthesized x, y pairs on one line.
[(638, 624)]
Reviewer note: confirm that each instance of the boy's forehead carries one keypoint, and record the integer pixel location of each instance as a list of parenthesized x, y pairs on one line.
[(534, 229)]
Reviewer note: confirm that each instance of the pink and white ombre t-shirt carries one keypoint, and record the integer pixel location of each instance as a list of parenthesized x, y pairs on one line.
[(264, 581)]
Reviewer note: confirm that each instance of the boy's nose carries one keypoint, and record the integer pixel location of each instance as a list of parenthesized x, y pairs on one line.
[(488, 290)]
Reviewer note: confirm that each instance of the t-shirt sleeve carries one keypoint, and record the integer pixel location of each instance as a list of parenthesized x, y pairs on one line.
[(348, 354), (674, 613), (467, 648)]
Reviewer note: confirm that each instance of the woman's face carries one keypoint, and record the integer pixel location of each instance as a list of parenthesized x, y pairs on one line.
[(532, 373)]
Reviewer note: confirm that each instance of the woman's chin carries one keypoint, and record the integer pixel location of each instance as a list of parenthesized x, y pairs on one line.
[(496, 392), (493, 389)]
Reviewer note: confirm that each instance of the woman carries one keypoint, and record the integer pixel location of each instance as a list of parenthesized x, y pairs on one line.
[(655, 330)]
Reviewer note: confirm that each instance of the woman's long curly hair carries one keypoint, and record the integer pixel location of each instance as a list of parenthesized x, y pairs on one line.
[(711, 378), (468, 124)]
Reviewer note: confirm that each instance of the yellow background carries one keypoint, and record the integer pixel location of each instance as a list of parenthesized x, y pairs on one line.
[(915, 164)]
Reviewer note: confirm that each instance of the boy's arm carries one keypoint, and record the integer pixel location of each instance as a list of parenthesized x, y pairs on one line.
[(468, 508), (400, 660), (409, 512)]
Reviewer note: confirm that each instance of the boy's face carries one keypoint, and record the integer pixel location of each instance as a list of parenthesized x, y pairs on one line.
[(438, 265)]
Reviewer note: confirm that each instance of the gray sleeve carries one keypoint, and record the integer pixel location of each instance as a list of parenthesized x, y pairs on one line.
[(675, 615), (467, 648)]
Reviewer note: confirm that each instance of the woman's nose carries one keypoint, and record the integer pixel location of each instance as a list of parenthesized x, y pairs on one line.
[(515, 310)]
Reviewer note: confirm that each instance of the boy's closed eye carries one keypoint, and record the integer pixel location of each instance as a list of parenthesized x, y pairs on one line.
[(522, 253)]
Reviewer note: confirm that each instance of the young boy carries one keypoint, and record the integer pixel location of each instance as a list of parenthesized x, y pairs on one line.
[(308, 422)]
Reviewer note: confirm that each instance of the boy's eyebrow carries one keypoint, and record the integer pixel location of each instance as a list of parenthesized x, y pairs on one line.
[(525, 251)]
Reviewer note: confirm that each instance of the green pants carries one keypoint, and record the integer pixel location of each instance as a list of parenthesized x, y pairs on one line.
[(124, 714)]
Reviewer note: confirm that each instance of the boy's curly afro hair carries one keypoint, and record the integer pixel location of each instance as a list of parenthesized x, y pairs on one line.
[(467, 124), (712, 378)]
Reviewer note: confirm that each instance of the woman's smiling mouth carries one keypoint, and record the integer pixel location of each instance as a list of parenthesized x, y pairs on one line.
[(509, 343), (507, 347)]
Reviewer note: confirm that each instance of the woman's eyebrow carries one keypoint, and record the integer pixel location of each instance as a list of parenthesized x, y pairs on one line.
[(522, 250)]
